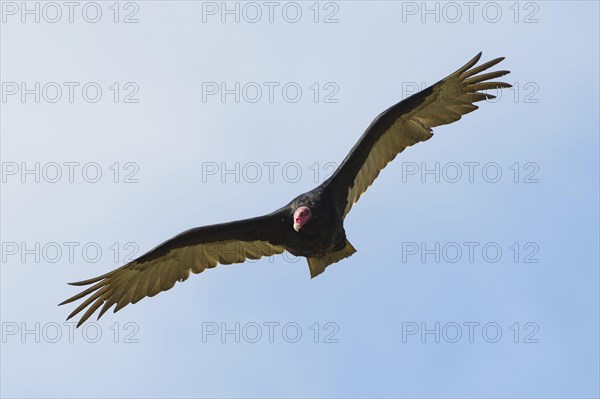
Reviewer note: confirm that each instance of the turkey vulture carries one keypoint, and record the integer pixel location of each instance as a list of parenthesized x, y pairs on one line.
[(312, 224)]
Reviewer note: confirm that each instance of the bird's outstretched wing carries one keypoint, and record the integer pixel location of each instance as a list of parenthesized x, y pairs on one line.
[(409, 122), (191, 251)]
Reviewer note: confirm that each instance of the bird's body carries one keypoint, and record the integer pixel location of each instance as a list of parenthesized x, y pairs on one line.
[(312, 224)]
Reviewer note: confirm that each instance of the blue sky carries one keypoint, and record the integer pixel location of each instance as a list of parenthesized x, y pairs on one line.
[(466, 283)]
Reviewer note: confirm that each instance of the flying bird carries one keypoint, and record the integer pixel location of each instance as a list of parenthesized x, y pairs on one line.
[(312, 224)]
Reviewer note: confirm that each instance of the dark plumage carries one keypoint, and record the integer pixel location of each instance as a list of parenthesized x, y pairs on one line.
[(312, 224)]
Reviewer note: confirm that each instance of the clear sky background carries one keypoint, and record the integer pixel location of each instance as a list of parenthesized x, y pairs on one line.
[(408, 315)]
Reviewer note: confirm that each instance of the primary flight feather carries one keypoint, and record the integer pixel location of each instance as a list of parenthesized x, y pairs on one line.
[(312, 224)]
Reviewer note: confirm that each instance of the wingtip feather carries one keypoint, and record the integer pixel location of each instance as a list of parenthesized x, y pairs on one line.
[(88, 282), (469, 64)]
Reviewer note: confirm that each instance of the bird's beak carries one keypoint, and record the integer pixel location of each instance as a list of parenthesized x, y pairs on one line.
[(297, 227)]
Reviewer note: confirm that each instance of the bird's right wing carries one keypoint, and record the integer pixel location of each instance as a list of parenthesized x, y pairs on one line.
[(409, 122), (191, 251)]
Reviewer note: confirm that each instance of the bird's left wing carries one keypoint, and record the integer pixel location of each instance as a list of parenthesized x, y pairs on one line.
[(191, 251), (407, 123)]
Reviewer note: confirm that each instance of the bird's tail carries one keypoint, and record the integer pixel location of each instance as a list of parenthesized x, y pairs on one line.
[(318, 264)]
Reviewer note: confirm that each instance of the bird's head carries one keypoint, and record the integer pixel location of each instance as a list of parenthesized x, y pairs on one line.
[(302, 215)]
